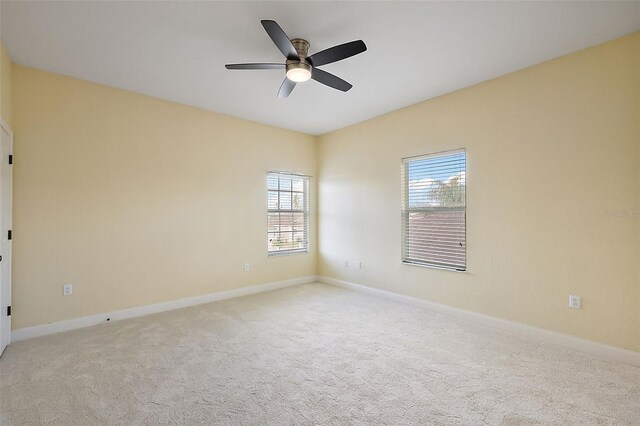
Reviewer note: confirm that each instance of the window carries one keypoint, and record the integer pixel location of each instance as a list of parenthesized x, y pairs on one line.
[(434, 210), (288, 213)]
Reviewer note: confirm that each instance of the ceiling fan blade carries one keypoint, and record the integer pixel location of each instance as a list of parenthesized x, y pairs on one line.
[(330, 80), (255, 66), (286, 88), (337, 53), (280, 39)]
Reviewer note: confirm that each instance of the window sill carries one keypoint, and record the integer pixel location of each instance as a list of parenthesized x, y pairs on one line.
[(286, 253), (443, 268)]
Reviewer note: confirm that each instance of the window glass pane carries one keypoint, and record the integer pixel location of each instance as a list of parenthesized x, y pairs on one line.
[(285, 183), (285, 201), (297, 184), (272, 200), (436, 181), (298, 221), (298, 238), (273, 222), (277, 240), (438, 236), (283, 241), (272, 182), (292, 243), (297, 201), (286, 221)]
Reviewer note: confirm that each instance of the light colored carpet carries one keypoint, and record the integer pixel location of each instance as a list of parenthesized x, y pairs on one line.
[(310, 354)]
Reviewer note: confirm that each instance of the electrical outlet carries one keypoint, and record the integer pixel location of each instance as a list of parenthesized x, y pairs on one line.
[(67, 290), (574, 301), (346, 263), (247, 267)]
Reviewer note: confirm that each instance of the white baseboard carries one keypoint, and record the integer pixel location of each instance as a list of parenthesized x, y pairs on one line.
[(547, 336), (91, 320)]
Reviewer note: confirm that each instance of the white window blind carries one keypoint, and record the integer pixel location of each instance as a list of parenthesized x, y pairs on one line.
[(288, 213), (434, 210)]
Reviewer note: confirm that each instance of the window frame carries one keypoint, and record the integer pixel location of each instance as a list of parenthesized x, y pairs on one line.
[(305, 211), (405, 210)]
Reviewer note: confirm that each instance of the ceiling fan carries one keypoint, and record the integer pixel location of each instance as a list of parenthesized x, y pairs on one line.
[(299, 66)]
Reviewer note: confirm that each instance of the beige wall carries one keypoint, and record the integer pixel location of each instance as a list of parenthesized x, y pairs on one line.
[(136, 200), (549, 149), (5, 85)]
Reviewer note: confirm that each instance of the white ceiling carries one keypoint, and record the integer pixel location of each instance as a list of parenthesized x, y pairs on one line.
[(417, 50)]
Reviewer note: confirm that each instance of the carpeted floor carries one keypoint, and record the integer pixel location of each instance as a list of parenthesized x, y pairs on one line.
[(310, 354)]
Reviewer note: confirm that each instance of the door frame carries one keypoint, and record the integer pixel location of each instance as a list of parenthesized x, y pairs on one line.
[(7, 256)]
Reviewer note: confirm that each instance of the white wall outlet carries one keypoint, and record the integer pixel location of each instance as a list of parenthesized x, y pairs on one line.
[(246, 267), (359, 265), (346, 263), (67, 290), (574, 301)]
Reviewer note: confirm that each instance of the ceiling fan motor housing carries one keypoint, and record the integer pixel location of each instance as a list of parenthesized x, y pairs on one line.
[(302, 47)]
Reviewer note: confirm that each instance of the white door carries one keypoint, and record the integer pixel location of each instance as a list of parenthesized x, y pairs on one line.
[(6, 185)]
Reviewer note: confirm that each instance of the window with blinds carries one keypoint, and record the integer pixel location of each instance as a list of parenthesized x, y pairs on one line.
[(288, 213), (434, 210)]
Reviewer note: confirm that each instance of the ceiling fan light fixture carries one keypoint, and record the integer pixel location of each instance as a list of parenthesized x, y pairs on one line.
[(298, 75)]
